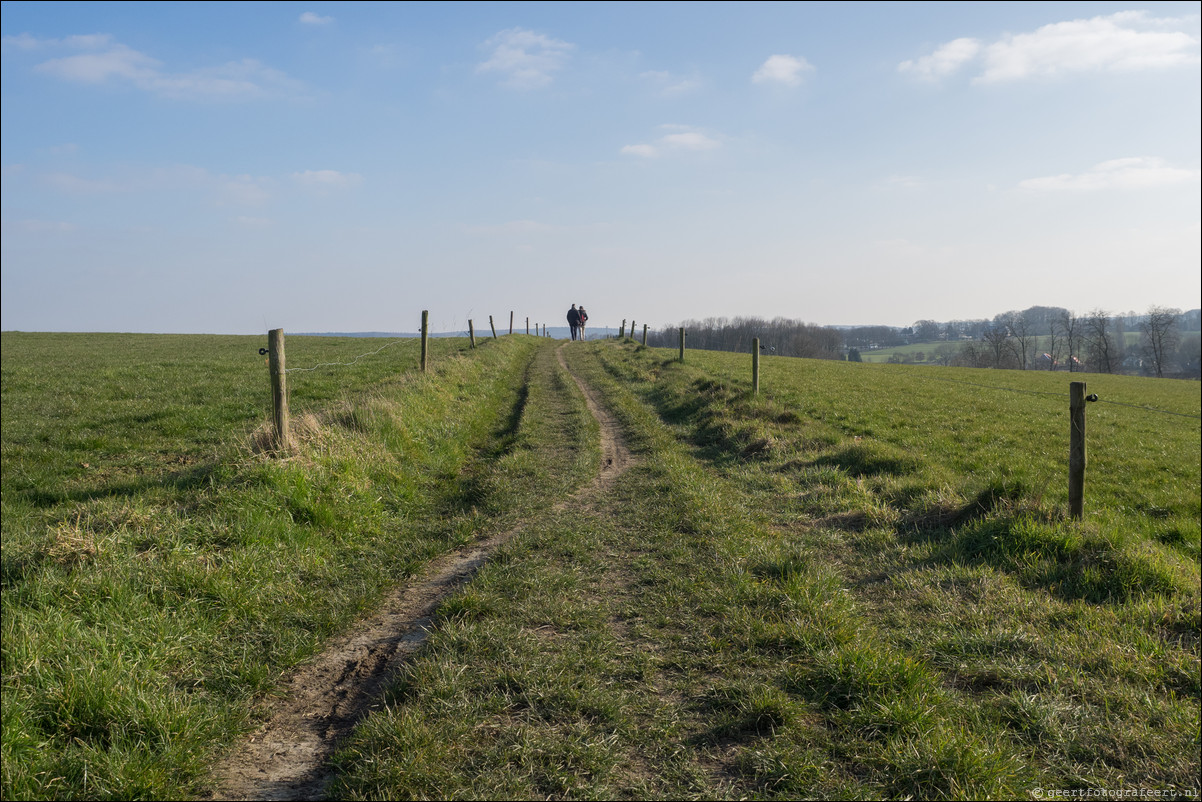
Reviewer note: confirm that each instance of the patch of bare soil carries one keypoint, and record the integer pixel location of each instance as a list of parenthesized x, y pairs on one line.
[(286, 758)]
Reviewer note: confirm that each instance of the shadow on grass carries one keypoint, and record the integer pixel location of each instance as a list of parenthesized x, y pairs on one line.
[(1067, 559), (182, 480)]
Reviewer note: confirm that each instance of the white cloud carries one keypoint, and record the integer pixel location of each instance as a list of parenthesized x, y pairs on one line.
[(107, 61), (309, 18), (1128, 41), (327, 179), (685, 138), (76, 185), (691, 140), (781, 69), (944, 61), (525, 59), (39, 226), (1142, 172), (239, 190), (670, 85), (646, 151), (26, 42), (902, 182), (116, 61)]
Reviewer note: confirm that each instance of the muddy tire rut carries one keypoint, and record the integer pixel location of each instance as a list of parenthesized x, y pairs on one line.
[(323, 700)]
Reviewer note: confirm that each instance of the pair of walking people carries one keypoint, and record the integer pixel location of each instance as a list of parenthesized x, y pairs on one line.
[(577, 317)]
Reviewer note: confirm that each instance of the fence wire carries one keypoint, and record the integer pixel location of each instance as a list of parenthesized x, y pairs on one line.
[(347, 364)]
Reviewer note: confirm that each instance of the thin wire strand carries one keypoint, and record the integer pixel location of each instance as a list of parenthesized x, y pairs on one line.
[(1060, 395), (1151, 409), (993, 387), (347, 364)]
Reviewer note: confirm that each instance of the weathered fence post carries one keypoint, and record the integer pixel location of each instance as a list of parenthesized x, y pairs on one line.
[(682, 343), (632, 328), (527, 326), (644, 334), (425, 337), (511, 321), (755, 365), (279, 387), (622, 330), (1076, 450), (471, 333), (491, 326)]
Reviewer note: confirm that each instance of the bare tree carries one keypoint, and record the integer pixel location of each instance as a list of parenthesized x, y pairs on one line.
[(1054, 341), (1070, 327), (1022, 339), (1189, 356), (1160, 336), (995, 338), (1103, 347)]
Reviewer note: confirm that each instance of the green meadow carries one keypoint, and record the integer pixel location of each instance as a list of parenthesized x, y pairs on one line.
[(860, 583)]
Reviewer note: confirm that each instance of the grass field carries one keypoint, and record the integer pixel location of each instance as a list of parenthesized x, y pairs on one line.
[(860, 584)]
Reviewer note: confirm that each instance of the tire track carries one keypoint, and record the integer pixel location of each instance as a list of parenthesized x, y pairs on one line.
[(287, 756)]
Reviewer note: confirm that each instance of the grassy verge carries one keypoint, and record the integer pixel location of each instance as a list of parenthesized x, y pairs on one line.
[(159, 574), (791, 598)]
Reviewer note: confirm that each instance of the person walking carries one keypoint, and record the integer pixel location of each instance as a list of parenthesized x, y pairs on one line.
[(574, 320), (583, 319)]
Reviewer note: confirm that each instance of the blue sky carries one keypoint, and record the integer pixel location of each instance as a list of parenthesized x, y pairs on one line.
[(229, 168)]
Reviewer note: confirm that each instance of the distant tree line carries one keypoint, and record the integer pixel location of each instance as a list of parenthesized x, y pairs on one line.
[(778, 336), (1160, 342)]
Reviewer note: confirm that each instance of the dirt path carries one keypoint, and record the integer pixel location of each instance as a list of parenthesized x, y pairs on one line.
[(327, 696)]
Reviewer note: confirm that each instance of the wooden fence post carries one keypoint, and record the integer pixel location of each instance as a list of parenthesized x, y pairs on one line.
[(527, 326), (644, 334), (279, 387), (682, 343), (632, 328), (471, 333), (755, 365), (491, 326), (511, 321), (425, 337), (622, 330), (1076, 450)]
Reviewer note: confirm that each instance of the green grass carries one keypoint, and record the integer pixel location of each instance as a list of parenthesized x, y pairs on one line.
[(768, 607), (860, 584), (159, 574)]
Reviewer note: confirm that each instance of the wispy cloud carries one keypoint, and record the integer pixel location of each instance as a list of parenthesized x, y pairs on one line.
[(670, 85), (236, 190), (1128, 41), (782, 69), (39, 226), (682, 139), (309, 18), (327, 179), (645, 151), (104, 60), (525, 59), (946, 59), (1142, 172)]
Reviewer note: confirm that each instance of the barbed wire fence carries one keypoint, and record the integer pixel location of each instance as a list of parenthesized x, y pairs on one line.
[(1076, 395), (278, 369)]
